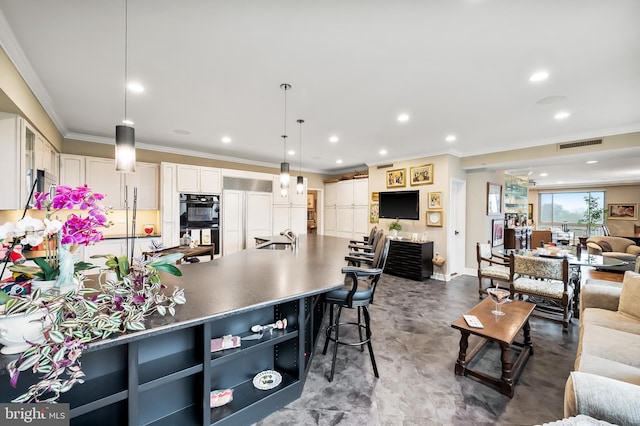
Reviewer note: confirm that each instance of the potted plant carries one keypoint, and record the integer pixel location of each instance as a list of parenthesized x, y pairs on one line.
[(60, 238), (594, 215), (394, 227), (75, 319)]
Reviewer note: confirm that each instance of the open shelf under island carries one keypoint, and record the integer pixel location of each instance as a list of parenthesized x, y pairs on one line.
[(164, 374)]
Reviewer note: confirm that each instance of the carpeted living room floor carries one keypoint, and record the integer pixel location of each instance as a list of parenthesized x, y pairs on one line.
[(415, 350)]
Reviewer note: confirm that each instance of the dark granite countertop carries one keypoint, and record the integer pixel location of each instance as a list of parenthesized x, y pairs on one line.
[(244, 281)]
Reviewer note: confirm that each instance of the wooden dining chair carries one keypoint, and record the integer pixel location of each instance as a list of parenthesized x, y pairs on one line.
[(491, 266), (544, 278)]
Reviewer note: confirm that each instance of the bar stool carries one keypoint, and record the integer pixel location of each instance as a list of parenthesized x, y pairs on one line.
[(357, 292)]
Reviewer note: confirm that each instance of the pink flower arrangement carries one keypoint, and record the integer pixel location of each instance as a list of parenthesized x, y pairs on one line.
[(76, 229)]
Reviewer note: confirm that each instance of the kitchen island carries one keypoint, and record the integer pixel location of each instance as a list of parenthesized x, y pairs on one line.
[(164, 375)]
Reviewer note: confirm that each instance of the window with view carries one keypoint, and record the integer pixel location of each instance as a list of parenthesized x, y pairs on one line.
[(572, 210)]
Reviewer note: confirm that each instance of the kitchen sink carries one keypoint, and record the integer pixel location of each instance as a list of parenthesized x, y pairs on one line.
[(275, 246)]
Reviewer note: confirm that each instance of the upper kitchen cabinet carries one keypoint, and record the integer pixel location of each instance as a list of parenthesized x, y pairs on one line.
[(198, 180), (72, 170), (145, 178), (292, 198), (24, 150), (101, 176)]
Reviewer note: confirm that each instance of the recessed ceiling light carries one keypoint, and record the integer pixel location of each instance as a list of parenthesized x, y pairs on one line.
[(383, 152), (403, 118), (136, 87), (561, 115), (291, 152), (451, 138), (333, 139), (592, 161), (538, 76), (226, 139), (127, 122), (339, 161), (544, 174)]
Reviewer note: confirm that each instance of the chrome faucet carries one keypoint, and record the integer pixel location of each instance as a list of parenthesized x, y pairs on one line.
[(292, 236)]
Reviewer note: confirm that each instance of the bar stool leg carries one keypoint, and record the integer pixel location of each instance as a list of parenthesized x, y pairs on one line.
[(368, 333), (335, 345), (328, 330), (360, 330)]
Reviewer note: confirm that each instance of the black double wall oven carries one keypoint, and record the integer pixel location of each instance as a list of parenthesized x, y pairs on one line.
[(200, 218)]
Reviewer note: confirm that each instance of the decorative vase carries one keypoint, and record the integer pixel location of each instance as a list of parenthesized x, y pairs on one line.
[(66, 266), (394, 233), (17, 330), (43, 285)]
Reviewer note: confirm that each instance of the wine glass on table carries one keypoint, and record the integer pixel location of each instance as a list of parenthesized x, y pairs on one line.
[(499, 296)]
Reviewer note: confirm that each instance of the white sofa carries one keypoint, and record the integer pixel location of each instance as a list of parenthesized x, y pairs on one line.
[(606, 381)]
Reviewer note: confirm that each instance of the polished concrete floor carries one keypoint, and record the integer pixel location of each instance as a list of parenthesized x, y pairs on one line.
[(415, 350)]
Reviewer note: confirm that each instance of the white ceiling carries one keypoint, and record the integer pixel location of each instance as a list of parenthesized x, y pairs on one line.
[(214, 69)]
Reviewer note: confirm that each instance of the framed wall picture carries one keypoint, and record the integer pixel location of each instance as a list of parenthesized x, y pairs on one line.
[(374, 213), (421, 175), (494, 199), (434, 217), (497, 232), (396, 178), (623, 211), (435, 200), (375, 196)]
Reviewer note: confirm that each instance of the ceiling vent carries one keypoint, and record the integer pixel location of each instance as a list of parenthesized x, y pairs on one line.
[(384, 166), (580, 144)]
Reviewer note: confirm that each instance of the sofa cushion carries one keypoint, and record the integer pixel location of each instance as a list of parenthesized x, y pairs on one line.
[(609, 319), (619, 255), (607, 368), (630, 296), (605, 246), (602, 398), (608, 343)]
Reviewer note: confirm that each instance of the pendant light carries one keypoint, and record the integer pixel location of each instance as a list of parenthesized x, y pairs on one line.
[(284, 166), (125, 135), (300, 179)]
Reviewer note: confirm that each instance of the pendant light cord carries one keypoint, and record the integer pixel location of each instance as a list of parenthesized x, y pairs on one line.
[(126, 38)]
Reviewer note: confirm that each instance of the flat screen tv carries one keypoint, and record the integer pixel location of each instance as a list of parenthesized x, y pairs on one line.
[(399, 204)]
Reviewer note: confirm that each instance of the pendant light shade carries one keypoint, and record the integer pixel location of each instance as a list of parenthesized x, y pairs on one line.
[(284, 166), (125, 149), (125, 135), (300, 179)]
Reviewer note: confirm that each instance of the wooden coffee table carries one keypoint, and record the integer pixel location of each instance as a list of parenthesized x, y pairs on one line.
[(503, 330)]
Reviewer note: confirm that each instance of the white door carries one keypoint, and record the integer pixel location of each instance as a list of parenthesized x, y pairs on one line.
[(344, 222), (456, 233), (360, 222), (330, 221), (258, 216), (232, 221)]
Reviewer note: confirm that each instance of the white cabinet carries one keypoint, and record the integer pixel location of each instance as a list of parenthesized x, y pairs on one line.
[(289, 212), (72, 170), (347, 208), (198, 180), (46, 157), (290, 217), (145, 179), (170, 205), (15, 186), (24, 151), (245, 215), (102, 177)]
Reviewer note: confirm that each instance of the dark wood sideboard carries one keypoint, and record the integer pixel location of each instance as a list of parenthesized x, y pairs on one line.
[(517, 238), (410, 259)]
